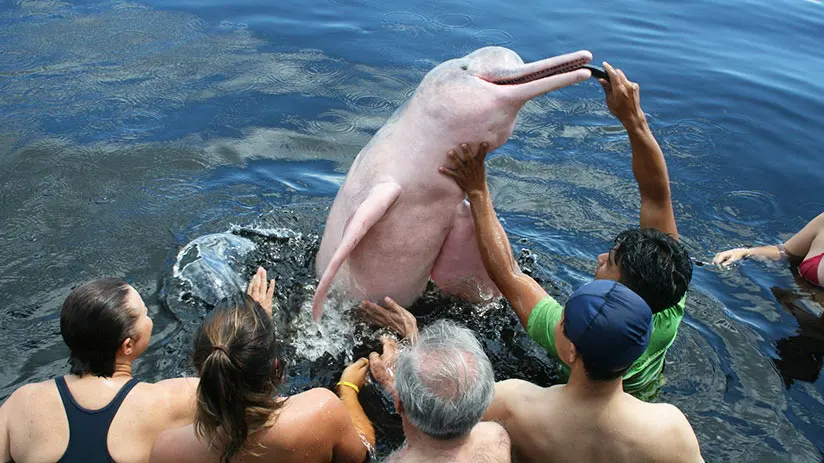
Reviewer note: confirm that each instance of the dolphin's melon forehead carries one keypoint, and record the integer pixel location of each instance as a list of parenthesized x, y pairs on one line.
[(495, 55)]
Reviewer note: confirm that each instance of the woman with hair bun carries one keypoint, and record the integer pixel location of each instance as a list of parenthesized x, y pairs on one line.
[(240, 418), (98, 412)]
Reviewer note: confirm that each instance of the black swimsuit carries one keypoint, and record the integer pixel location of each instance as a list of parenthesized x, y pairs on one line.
[(89, 429)]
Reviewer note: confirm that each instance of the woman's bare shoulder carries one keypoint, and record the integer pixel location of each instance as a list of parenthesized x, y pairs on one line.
[(176, 385), (314, 411), (33, 395), (170, 391), (169, 403), (306, 425), (311, 403)]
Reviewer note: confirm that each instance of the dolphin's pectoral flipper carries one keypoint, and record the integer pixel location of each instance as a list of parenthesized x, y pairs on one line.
[(459, 270), (371, 210)]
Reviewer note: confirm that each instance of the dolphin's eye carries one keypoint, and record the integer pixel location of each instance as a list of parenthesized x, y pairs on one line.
[(464, 67)]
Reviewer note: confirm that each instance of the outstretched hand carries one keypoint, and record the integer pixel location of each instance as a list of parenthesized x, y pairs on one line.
[(382, 366), (727, 258), (355, 373), (622, 95), (260, 291), (394, 317), (468, 168)]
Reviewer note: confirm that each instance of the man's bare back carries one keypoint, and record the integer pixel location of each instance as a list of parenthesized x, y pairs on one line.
[(561, 424), (488, 442)]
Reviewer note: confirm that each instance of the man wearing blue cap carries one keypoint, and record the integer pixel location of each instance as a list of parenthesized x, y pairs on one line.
[(604, 328), (649, 260)]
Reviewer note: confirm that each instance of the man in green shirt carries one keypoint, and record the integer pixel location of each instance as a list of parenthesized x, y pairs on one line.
[(603, 329), (649, 260)]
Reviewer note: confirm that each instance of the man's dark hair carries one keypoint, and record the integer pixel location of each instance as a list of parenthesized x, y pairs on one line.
[(94, 323), (654, 265), (593, 372)]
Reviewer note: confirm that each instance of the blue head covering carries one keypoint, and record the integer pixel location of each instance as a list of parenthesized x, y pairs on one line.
[(608, 323)]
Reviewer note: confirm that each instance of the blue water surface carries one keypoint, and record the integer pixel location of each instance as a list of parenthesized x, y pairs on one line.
[(128, 128)]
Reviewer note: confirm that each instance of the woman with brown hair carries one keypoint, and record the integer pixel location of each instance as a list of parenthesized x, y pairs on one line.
[(98, 412), (239, 416)]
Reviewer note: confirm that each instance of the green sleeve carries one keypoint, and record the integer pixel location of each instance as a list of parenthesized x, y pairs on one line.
[(642, 379), (541, 324)]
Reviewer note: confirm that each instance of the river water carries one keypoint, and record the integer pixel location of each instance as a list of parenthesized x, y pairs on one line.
[(128, 129)]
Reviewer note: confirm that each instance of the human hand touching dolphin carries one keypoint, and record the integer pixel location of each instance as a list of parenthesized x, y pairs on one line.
[(396, 221)]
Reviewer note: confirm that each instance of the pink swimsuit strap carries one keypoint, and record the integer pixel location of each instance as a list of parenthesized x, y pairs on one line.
[(809, 269)]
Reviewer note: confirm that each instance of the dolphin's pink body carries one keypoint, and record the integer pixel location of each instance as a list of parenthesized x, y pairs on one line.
[(397, 221)]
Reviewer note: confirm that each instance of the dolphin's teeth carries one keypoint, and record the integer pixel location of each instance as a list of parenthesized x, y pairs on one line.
[(554, 70)]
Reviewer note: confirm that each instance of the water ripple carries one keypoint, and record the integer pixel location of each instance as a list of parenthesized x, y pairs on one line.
[(456, 20), (364, 99), (406, 21), (352, 2), (495, 37), (335, 122), (689, 138), (174, 188), (746, 207)]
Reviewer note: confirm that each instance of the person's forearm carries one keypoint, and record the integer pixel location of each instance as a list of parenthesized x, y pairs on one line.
[(496, 252), (648, 164), (771, 252), (359, 419), (650, 170)]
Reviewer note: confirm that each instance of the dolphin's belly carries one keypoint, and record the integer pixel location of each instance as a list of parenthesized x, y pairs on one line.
[(396, 256)]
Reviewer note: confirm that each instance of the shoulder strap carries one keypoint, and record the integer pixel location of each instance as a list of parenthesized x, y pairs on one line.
[(88, 429), (68, 399), (121, 395), (65, 395)]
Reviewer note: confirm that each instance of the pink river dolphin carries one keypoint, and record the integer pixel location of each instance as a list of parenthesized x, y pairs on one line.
[(396, 221)]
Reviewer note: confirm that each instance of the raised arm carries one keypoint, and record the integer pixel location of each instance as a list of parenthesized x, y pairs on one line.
[(521, 290), (648, 164), (352, 380)]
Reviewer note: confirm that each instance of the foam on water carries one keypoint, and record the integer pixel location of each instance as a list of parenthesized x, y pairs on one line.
[(208, 265)]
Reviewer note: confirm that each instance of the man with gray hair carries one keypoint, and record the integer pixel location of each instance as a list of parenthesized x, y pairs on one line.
[(443, 384)]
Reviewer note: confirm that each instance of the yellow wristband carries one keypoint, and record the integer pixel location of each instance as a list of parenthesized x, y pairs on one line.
[(348, 384)]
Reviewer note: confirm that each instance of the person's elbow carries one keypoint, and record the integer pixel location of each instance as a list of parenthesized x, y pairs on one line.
[(523, 293)]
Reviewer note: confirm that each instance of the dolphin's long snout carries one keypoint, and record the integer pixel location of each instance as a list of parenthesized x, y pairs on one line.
[(539, 77), (546, 68)]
